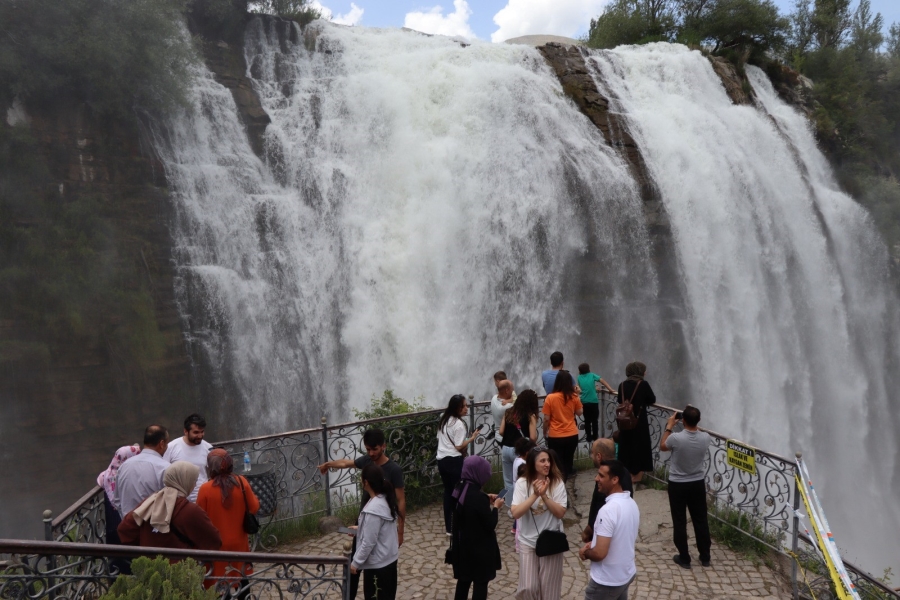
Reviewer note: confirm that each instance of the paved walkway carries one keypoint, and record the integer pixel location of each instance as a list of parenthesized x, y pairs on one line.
[(423, 573)]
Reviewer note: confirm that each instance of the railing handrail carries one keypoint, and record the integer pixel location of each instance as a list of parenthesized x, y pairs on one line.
[(726, 438), (112, 550), (74, 507)]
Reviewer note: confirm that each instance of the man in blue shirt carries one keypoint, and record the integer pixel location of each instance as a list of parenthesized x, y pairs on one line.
[(548, 377)]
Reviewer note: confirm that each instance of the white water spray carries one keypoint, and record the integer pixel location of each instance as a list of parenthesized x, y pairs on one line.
[(793, 320)]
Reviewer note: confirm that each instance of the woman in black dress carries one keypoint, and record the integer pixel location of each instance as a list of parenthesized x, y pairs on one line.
[(635, 450), (474, 554)]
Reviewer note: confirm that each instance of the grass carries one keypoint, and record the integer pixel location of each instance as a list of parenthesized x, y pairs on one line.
[(743, 534), (294, 530)]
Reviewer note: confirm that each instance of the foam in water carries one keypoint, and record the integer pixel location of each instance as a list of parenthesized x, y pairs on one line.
[(793, 321), (409, 229)]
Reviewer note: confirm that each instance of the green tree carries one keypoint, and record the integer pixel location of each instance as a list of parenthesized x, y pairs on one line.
[(115, 56), (156, 579), (745, 26), (893, 41), (298, 10), (830, 22), (865, 30), (632, 22)]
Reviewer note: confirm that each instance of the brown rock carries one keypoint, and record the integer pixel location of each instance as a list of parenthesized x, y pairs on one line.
[(733, 82)]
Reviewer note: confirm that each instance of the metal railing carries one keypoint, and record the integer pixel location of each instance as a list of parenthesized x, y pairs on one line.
[(761, 506), (60, 570)]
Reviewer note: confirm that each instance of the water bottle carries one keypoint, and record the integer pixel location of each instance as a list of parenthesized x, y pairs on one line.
[(246, 462)]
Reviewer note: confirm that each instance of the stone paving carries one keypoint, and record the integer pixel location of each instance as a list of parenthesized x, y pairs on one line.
[(423, 573)]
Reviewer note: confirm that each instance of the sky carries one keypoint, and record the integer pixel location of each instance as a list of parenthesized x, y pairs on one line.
[(499, 20)]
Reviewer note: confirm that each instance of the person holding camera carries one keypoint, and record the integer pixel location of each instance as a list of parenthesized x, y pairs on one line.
[(687, 484)]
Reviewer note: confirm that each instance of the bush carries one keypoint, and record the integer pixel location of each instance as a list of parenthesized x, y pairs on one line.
[(412, 442), (156, 579)]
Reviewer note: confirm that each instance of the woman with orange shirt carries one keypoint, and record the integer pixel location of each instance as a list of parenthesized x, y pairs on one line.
[(560, 428), (225, 498)]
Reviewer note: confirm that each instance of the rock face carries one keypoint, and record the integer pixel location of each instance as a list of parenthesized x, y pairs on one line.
[(569, 65), (226, 61), (733, 82), (99, 389)]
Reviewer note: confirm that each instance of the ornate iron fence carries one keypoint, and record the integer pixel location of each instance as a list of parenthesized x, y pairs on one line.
[(69, 571), (761, 506)]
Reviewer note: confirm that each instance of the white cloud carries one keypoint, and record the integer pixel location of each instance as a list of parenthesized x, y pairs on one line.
[(436, 22), (353, 17), (532, 17)]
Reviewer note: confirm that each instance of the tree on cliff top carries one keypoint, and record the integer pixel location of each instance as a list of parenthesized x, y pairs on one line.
[(115, 56), (298, 10)]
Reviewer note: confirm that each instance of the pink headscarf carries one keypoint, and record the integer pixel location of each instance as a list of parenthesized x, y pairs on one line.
[(107, 479)]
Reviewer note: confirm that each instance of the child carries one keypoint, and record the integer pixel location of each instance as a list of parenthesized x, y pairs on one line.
[(590, 401)]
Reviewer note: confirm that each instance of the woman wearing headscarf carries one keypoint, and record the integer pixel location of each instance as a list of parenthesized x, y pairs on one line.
[(474, 551), (226, 497), (167, 519), (107, 480), (635, 449)]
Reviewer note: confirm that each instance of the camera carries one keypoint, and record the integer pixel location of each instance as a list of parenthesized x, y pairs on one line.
[(678, 416)]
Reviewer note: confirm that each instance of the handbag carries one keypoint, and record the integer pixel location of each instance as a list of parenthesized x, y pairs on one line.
[(251, 522), (626, 417), (450, 553), (550, 541)]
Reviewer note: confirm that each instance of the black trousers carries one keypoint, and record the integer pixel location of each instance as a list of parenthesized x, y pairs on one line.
[(591, 421), (450, 470), (380, 584), (123, 565), (690, 495), (565, 448), (479, 590)]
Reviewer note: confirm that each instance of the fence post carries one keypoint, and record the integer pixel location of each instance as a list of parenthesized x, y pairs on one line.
[(348, 553), (327, 471), (472, 422), (51, 560), (795, 536), (602, 432), (48, 525)]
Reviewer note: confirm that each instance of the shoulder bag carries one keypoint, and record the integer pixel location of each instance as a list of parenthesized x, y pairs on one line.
[(464, 451), (626, 416), (251, 522), (550, 541)]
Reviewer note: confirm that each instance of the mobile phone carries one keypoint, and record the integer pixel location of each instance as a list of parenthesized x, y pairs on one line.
[(678, 416), (480, 427), (347, 530)]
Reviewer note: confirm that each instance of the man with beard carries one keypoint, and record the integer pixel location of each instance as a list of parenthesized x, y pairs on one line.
[(191, 448)]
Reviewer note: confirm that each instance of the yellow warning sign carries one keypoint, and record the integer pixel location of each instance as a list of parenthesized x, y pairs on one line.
[(741, 456)]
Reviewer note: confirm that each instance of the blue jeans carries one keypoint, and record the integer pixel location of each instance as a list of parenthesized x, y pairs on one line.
[(508, 455)]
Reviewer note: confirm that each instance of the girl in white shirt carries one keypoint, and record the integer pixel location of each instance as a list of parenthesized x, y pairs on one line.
[(452, 442), (539, 503)]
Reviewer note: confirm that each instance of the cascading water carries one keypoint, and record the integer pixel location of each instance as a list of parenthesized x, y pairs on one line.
[(427, 213), (793, 325), (410, 228)]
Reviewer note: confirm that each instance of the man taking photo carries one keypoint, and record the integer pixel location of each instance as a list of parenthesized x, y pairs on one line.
[(687, 484)]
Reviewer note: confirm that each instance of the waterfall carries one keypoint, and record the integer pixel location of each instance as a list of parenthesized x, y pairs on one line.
[(426, 213), (412, 225), (793, 322)]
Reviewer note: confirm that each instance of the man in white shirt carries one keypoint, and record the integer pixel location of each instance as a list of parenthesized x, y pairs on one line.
[(502, 401), (611, 552), (192, 448), (141, 475)]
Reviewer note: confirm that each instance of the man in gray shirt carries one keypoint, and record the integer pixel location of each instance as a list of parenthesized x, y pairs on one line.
[(142, 475), (687, 484)]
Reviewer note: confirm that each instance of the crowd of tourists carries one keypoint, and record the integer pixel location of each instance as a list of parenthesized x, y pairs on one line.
[(179, 494), (184, 494)]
